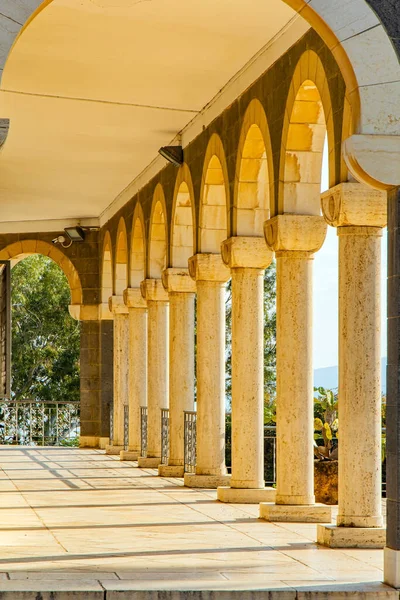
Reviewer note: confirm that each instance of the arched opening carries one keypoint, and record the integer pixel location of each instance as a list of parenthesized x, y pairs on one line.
[(138, 255), (214, 199), (183, 242), (121, 260), (44, 404), (106, 270), (158, 236), (254, 177), (306, 133)]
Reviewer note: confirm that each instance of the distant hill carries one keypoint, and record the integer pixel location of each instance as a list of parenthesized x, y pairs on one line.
[(327, 377)]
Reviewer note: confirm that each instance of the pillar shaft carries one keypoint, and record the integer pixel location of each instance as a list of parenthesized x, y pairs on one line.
[(137, 373), (294, 385), (247, 378), (247, 258), (360, 473), (294, 238), (211, 276), (158, 361), (210, 378), (121, 354), (181, 378)]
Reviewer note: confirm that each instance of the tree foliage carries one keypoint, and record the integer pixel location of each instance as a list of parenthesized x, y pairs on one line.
[(45, 338), (269, 343)]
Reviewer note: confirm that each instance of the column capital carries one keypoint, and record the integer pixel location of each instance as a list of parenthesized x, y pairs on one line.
[(133, 298), (117, 305), (178, 280), (246, 252), (356, 204), (153, 290), (85, 312), (295, 233), (208, 267)]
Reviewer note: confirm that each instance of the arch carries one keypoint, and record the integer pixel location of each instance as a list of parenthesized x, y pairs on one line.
[(121, 259), (107, 272), (254, 174), (183, 232), (158, 235), (308, 119), (214, 198), (138, 248), (348, 28), (19, 250)]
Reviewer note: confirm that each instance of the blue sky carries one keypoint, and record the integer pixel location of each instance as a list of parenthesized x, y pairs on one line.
[(326, 295)]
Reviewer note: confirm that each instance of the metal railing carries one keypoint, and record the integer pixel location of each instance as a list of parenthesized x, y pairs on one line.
[(32, 423), (111, 423), (270, 455), (190, 419), (143, 431), (126, 426), (164, 436)]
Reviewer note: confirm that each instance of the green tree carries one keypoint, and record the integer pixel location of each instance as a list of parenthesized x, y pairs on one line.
[(45, 338), (269, 343)]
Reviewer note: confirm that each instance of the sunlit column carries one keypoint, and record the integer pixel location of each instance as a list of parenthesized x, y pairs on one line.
[(247, 258), (137, 313), (210, 275), (181, 291), (359, 213), (295, 239), (121, 362), (157, 366)]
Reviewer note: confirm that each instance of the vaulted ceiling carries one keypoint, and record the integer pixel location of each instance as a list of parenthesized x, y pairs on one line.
[(93, 88)]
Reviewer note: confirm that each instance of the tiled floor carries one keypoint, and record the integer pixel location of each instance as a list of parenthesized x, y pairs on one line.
[(77, 519)]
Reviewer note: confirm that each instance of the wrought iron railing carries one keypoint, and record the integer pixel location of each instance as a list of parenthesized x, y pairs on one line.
[(126, 426), (190, 418), (32, 423), (164, 436), (111, 423), (143, 431), (270, 455)]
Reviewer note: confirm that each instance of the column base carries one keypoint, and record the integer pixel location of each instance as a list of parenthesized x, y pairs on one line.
[(206, 481), (149, 463), (351, 537), (171, 471), (391, 570), (128, 455), (113, 450), (293, 513), (245, 495), (103, 442), (89, 441)]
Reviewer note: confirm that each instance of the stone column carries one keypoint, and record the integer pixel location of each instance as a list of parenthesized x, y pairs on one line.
[(181, 291), (359, 213), (158, 363), (121, 355), (137, 309), (247, 258), (210, 275), (295, 238)]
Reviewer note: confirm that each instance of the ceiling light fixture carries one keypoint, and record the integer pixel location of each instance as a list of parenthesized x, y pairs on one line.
[(173, 154)]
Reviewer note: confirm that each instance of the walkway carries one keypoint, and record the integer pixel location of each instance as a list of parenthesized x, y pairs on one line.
[(79, 520)]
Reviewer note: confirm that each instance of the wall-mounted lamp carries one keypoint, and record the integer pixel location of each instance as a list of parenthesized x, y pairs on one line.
[(73, 234), (173, 154)]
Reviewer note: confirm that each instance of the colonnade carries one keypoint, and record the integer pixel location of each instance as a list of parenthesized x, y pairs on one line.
[(161, 364)]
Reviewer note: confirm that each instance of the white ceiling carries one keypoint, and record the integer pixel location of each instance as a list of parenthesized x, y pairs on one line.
[(94, 87)]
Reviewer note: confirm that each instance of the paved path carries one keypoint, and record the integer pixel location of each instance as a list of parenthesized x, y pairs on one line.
[(79, 520)]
